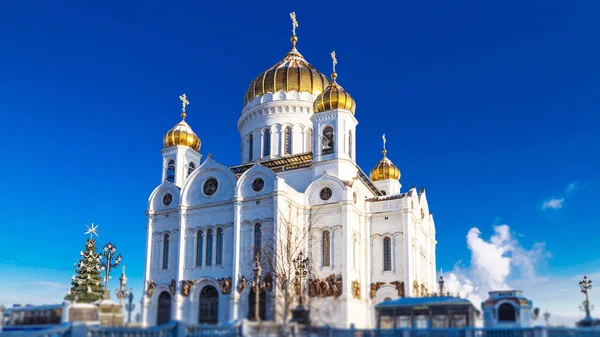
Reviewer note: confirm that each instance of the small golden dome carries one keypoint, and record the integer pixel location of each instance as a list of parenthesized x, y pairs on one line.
[(182, 134), (334, 97), (385, 169), (293, 72)]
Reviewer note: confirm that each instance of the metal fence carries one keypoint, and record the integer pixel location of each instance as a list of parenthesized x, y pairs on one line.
[(63, 330), (167, 330)]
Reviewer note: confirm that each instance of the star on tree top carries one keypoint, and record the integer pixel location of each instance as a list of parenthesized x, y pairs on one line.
[(92, 230)]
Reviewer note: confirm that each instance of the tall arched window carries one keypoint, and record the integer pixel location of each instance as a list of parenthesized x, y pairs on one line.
[(327, 140), (506, 312), (250, 147), (163, 312), (165, 261), (219, 246), (387, 254), (350, 144), (191, 168), (208, 312), (171, 171), (288, 140), (309, 140), (199, 239), (209, 243), (257, 239), (267, 143), (326, 249)]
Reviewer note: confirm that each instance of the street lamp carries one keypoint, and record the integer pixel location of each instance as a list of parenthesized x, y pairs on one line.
[(547, 318), (108, 252), (300, 314), (122, 292), (586, 285), (441, 283), (257, 286), (129, 307)]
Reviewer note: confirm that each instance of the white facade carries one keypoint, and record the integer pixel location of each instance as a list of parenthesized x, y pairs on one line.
[(363, 246)]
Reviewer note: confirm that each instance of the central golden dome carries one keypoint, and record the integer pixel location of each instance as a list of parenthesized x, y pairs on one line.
[(385, 169), (291, 73)]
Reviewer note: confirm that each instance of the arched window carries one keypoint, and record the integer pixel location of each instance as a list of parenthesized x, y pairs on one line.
[(387, 254), (171, 171), (163, 314), (267, 143), (326, 249), (309, 141), (208, 312), (327, 140), (250, 147), (257, 239), (191, 168), (165, 261), (288, 140), (199, 242), (209, 243), (219, 246), (350, 144), (506, 313)]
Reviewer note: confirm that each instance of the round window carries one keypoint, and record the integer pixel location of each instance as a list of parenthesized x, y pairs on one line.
[(258, 184), (326, 193), (167, 199), (210, 186)]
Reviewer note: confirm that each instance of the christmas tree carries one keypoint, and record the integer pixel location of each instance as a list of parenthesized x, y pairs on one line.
[(87, 286)]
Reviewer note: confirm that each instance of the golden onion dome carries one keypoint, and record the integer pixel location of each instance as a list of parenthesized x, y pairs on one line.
[(385, 169), (293, 72), (182, 133), (334, 96)]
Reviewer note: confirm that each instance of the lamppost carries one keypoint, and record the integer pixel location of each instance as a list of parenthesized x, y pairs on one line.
[(129, 307), (108, 252), (122, 292), (547, 318), (257, 286), (586, 285), (441, 283), (300, 314)]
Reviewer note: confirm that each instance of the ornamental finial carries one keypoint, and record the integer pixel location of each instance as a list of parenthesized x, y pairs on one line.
[(294, 26), (334, 59), (184, 104), (384, 141)]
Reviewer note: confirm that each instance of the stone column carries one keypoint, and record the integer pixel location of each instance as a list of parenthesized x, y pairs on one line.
[(235, 277)]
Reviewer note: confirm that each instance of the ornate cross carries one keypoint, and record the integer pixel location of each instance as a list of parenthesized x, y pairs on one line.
[(184, 103), (384, 141), (294, 22), (334, 60)]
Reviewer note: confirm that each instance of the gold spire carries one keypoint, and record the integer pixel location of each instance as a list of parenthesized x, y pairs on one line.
[(184, 103), (334, 96), (182, 134), (294, 26), (385, 169)]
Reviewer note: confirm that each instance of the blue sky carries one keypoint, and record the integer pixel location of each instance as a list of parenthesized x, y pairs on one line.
[(492, 107)]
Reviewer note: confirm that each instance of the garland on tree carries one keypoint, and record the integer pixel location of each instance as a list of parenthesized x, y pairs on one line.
[(87, 285)]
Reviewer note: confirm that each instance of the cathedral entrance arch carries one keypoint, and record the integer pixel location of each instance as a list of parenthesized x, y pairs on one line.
[(262, 305), (163, 314), (209, 306)]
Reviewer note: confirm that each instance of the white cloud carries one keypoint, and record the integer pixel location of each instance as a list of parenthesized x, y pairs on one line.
[(553, 203), (502, 263)]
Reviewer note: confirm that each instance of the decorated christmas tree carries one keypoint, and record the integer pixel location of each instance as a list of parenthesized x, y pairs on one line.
[(86, 285)]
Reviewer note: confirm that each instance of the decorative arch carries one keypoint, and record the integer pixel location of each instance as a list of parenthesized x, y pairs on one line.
[(170, 173), (507, 312), (208, 311), (192, 190), (327, 140), (163, 310), (312, 193)]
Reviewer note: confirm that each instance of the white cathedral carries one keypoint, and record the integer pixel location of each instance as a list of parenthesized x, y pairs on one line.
[(322, 231)]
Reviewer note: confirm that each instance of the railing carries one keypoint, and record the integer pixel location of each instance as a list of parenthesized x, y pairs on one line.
[(573, 332), (211, 330), (166, 330), (63, 330)]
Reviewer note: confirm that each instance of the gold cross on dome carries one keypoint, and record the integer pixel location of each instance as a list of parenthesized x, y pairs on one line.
[(334, 60), (384, 141), (184, 102), (294, 22)]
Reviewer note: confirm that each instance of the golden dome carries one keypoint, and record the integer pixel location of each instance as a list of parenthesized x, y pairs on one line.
[(334, 97), (385, 169), (182, 134), (291, 73)]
